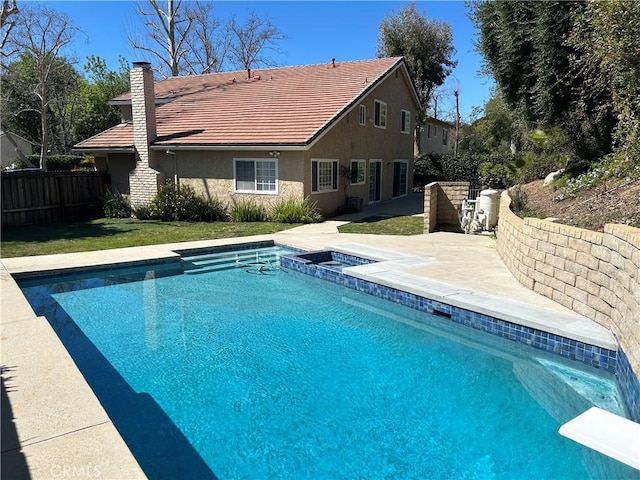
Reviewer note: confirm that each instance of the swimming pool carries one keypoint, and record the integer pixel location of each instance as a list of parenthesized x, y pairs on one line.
[(250, 376)]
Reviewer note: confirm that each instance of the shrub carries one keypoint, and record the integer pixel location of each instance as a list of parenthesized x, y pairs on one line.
[(116, 205), (248, 211), (538, 166), (494, 175), (431, 167), (611, 166), (143, 212), (295, 211), (519, 204), (181, 203), (59, 163), (204, 210)]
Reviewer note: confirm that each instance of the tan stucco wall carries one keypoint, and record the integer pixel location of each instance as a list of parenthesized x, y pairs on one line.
[(595, 274), (434, 143), (348, 140), (119, 165), (210, 173)]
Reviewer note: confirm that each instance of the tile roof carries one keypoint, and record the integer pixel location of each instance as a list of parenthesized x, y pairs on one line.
[(278, 106)]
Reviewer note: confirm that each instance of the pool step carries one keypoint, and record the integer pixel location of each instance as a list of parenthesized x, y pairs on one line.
[(268, 257)]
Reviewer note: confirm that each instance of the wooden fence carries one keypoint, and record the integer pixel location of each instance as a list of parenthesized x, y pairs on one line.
[(33, 197)]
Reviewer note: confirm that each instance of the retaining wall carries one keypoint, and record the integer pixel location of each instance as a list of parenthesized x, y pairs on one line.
[(594, 274), (441, 203)]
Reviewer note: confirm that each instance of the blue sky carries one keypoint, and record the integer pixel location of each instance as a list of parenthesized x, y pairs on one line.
[(316, 32)]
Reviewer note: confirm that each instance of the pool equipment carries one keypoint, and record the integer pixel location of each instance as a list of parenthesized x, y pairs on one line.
[(480, 214)]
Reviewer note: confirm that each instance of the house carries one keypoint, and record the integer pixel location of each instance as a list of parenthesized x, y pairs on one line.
[(268, 134), (12, 146), (434, 136)]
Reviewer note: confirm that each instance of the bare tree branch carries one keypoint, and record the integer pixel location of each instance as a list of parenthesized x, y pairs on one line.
[(251, 39), (186, 38), (167, 30), (207, 46), (9, 9)]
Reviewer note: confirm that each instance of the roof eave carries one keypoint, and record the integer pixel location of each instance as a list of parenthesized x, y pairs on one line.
[(347, 109), (233, 146), (103, 150)]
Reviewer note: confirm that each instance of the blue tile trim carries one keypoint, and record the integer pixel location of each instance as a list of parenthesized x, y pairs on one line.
[(629, 384), (612, 361)]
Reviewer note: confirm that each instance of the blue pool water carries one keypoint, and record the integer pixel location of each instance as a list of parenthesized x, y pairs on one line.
[(227, 374)]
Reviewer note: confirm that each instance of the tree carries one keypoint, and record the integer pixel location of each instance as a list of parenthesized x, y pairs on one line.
[(166, 32), (186, 39), (99, 86), (607, 35), (426, 44), (40, 34), (250, 40), (527, 50), (492, 131), (7, 21), (208, 44)]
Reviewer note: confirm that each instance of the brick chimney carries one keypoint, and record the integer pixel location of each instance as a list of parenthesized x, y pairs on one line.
[(144, 179)]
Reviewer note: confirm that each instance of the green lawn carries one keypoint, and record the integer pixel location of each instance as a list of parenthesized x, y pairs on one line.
[(408, 225), (108, 233)]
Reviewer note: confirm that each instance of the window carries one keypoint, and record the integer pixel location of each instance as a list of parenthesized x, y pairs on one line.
[(324, 175), (445, 136), (363, 115), (358, 172), (380, 114), (405, 121), (256, 176), (429, 130)]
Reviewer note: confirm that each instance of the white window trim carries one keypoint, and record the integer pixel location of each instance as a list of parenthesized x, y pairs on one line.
[(445, 136), (407, 115), (386, 113), (362, 114), (364, 162), (337, 175), (255, 191)]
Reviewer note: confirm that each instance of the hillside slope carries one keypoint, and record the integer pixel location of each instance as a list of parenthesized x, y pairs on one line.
[(614, 202)]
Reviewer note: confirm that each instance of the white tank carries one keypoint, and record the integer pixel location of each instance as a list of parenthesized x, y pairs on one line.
[(488, 203)]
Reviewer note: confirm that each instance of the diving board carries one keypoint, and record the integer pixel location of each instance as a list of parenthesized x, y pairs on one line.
[(607, 433)]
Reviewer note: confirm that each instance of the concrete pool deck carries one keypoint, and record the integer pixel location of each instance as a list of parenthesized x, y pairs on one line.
[(54, 427)]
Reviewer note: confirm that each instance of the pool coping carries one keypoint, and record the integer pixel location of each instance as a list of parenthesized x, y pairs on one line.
[(96, 441), (390, 271), (53, 423)]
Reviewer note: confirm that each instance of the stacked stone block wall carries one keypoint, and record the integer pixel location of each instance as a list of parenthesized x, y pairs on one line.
[(442, 201), (596, 274)]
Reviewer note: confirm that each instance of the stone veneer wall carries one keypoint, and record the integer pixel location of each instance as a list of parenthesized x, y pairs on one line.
[(442, 201), (594, 274)]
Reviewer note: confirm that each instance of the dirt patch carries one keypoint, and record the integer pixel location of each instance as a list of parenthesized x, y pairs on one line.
[(617, 201)]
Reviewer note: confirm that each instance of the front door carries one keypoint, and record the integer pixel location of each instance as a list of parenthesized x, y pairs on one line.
[(375, 180)]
